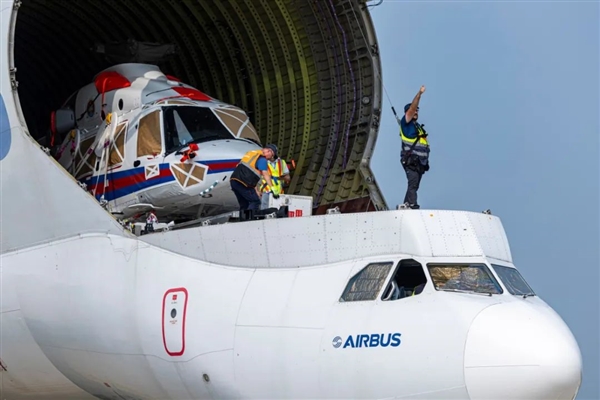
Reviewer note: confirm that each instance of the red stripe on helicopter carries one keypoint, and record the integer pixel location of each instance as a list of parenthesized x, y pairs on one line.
[(126, 181), (220, 166), (130, 179)]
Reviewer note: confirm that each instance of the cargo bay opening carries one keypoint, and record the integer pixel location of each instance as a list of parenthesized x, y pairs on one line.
[(307, 74)]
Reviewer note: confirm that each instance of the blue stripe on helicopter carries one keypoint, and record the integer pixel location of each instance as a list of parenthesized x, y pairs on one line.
[(123, 183)]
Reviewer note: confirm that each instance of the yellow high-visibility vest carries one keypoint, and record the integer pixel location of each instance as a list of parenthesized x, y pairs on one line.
[(422, 139), (276, 174), (421, 148)]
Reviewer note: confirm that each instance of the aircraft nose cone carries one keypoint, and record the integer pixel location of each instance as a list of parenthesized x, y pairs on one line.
[(521, 351)]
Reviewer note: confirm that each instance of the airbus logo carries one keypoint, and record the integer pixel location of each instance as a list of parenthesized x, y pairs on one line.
[(337, 342), (372, 340)]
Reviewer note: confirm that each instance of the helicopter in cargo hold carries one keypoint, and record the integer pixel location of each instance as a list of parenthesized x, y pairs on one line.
[(139, 140)]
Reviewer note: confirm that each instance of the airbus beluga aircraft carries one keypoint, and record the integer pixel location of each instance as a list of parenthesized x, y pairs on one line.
[(140, 140), (345, 303)]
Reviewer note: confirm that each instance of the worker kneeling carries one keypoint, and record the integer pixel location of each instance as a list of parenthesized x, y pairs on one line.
[(280, 173), (247, 174)]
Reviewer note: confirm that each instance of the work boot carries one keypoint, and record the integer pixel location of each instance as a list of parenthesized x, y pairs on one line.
[(407, 206), (282, 212)]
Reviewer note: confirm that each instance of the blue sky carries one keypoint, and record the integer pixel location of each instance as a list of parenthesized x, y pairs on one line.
[(512, 109)]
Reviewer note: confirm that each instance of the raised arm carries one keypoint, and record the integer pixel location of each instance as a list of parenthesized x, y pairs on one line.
[(410, 113)]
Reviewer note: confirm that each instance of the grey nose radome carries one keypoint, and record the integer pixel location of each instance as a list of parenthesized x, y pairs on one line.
[(520, 350)]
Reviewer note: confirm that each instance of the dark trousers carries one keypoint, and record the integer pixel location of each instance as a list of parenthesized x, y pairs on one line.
[(246, 197), (413, 175)]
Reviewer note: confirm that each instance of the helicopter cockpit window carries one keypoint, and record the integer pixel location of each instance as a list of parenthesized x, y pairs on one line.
[(148, 141), (474, 278), (238, 122), (184, 125), (409, 280), (367, 283), (514, 282)]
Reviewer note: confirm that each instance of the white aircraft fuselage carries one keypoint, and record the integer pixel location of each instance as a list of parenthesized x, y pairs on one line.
[(207, 313), (422, 304)]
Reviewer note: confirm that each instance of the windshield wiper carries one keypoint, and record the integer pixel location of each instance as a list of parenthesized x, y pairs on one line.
[(526, 295), (467, 292), (177, 149)]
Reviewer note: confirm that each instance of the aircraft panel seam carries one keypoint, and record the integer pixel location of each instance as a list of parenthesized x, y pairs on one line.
[(60, 240), (170, 359), (237, 317), (280, 327)]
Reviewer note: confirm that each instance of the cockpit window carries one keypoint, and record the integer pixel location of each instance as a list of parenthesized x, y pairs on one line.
[(514, 282), (463, 278), (409, 280), (184, 125), (367, 284)]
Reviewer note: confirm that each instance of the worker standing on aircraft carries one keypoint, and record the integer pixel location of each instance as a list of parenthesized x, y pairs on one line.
[(150, 221), (247, 175), (280, 173), (415, 150)]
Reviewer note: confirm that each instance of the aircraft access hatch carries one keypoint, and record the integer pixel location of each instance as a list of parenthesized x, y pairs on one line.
[(307, 73)]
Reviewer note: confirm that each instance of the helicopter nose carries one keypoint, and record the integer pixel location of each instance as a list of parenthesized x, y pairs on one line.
[(521, 351)]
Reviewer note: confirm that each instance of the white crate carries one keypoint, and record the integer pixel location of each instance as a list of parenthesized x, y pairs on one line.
[(298, 206)]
